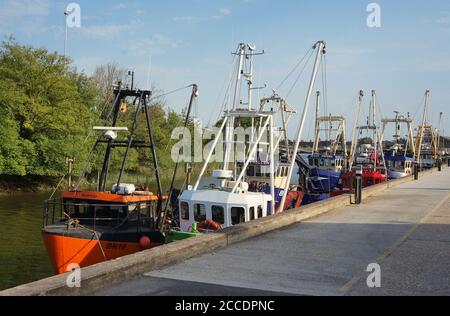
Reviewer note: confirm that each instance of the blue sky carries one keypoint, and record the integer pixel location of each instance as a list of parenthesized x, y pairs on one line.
[(191, 41)]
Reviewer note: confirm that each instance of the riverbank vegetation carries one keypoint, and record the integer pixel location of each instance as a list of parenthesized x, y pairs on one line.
[(48, 108)]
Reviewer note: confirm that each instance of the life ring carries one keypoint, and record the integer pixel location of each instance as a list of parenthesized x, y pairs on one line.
[(209, 224)]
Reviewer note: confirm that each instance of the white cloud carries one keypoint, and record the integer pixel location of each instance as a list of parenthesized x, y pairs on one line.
[(108, 30), (156, 44), (223, 13), (444, 18), (120, 6), (190, 19)]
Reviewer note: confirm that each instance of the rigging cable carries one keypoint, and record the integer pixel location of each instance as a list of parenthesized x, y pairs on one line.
[(299, 75), (168, 93), (225, 89), (295, 68), (227, 95)]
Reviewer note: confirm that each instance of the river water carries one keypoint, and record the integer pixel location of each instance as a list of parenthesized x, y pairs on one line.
[(23, 257)]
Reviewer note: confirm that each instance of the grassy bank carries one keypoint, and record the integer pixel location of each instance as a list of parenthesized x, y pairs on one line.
[(13, 184)]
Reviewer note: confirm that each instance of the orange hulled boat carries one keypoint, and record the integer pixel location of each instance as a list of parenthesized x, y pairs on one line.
[(87, 227)]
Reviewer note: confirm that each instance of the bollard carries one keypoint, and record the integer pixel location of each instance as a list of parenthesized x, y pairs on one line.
[(358, 186), (439, 163), (416, 171), (448, 161)]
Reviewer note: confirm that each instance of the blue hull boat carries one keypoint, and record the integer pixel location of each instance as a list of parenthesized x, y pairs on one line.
[(325, 180)]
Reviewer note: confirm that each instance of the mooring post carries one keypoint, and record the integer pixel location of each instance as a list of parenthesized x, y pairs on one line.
[(358, 185), (69, 162), (188, 171)]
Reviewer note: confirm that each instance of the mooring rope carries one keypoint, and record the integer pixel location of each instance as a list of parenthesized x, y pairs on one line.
[(91, 231)]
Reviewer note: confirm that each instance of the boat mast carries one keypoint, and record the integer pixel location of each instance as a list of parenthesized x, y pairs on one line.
[(356, 130), (411, 136), (439, 133), (422, 127), (163, 215), (249, 78), (320, 46), (374, 128), (105, 167), (229, 118), (317, 133), (229, 132), (284, 123)]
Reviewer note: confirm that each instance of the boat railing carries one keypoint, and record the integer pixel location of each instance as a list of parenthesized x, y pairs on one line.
[(57, 211)]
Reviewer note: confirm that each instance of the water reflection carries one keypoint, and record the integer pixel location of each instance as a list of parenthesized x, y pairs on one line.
[(23, 257)]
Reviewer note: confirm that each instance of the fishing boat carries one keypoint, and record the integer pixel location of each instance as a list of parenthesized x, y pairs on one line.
[(366, 154), (84, 227), (399, 157), (426, 142), (328, 163), (246, 189)]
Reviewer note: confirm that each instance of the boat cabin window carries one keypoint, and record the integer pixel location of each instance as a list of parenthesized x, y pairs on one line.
[(117, 211), (133, 212), (260, 211), (258, 171), (184, 209), (104, 213), (265, 170), (132, 208), (199, 212), (251, 213), (218, 214), (237, 215), (71, 209), (251, 171)]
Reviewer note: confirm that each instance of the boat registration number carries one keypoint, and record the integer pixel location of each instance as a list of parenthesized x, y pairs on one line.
[(115, 246)]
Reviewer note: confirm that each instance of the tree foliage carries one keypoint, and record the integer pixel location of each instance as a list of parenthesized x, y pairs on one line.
[(45, 110)]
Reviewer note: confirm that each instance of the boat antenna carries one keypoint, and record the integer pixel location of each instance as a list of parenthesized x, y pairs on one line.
[(149, 71), (163, 215)]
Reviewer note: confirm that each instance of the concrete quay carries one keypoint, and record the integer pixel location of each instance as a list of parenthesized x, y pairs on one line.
[(405, 230)]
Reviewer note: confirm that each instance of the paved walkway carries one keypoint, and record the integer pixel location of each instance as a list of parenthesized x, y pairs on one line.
[(406, 230)]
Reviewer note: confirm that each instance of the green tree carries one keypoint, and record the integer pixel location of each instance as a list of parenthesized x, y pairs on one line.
[(46, 111)]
